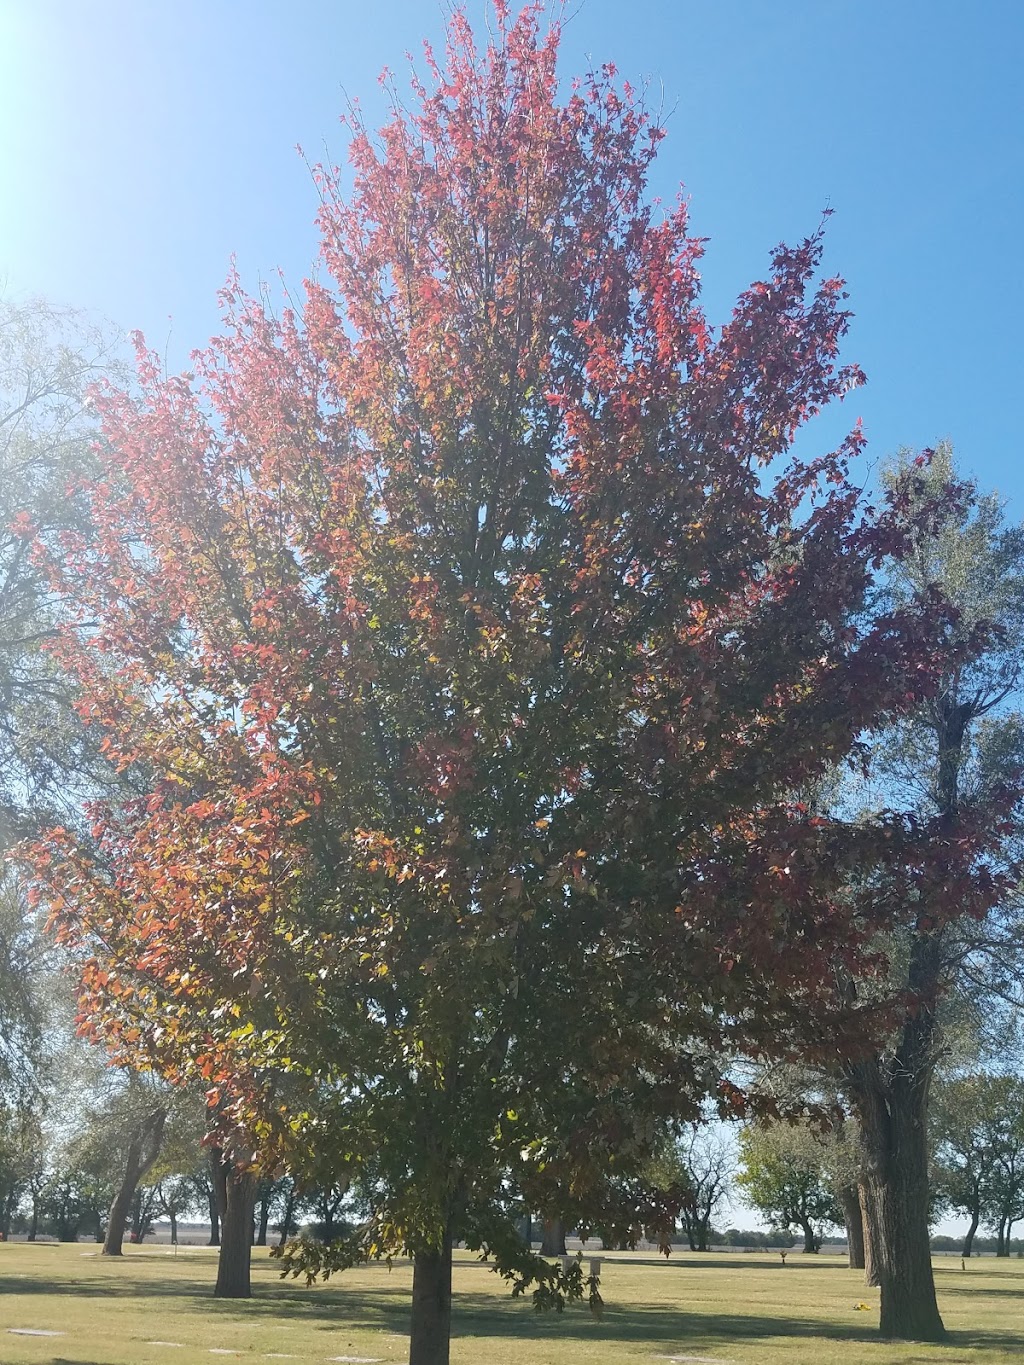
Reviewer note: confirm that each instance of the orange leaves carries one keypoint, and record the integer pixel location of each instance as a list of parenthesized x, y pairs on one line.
[(484, 561)]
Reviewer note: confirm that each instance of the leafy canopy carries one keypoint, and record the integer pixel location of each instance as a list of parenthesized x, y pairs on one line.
[(472, 623)]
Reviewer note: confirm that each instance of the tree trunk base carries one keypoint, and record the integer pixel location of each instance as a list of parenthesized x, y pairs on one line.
[(430, 1337), (554, 1238), (233, 1263)]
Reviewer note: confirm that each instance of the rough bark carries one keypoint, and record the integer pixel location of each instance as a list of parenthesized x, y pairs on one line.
[(233, 1263), (430, 1332), (143, 1150), (554, 1237), (892, 1108), (870, 1268), (854, 1219), (890, 1091)]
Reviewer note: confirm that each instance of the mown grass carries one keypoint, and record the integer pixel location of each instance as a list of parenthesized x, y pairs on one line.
[(749, 1309)]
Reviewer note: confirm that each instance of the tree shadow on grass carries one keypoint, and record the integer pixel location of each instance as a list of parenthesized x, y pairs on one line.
[(983, 1292), (479, 1315), (106, 1288), (1015, 1275)]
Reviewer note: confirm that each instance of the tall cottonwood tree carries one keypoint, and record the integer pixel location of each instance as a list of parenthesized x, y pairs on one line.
[(471, 627), (958, 754)]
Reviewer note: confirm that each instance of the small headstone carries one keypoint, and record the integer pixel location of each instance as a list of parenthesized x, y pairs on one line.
[(33, 1332)]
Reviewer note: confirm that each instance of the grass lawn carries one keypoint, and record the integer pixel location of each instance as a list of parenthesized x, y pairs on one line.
[(152, 1308)]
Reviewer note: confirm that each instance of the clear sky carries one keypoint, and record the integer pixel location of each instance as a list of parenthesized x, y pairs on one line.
[(141, 144)]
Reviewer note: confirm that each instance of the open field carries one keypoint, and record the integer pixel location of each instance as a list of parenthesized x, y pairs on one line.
[(745, 1309)]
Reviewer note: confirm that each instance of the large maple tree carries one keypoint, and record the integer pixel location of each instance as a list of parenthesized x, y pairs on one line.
[(474, 624)]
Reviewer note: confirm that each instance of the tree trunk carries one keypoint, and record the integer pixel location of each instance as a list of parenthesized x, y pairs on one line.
[(142, 1215), (264, 1219), (969, 1239), (143, 1150), (554, 1237), (896, 1188), (219, 1168), (286, 1220), (810, 1240), (431, 1307), (233, 1263), (870, 1268), (174, 1228), (1002, 1241), (854, 1220), (890, 1094), (33, 1227), (214, 1207), (120, 1209)]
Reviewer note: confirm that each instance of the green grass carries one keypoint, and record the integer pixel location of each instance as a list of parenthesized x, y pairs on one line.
[(746, 1309)]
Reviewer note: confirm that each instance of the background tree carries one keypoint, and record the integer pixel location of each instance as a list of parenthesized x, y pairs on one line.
[(965, 1118), (20, 1159), (701, 1162), (843, 1168), (48, 357), (959, 754), (469, 634), (1005, 1203), (783, 1175), (135, 1121), (172, 1176), (25, 963)]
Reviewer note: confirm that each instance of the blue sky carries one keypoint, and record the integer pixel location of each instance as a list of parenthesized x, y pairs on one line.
[(142, 144)]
